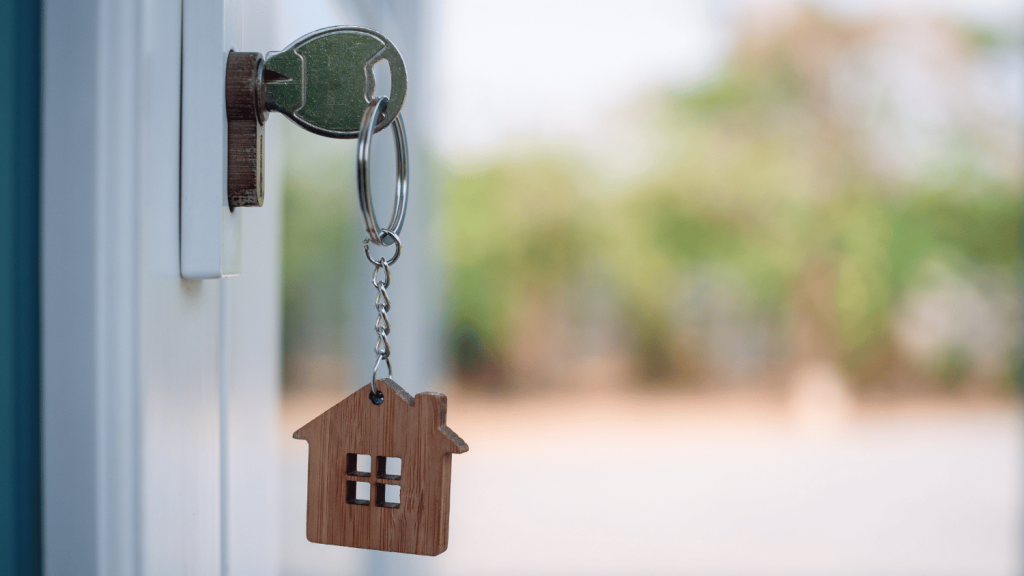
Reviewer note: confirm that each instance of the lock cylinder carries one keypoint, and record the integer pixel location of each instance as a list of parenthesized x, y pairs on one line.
[(246, 112)]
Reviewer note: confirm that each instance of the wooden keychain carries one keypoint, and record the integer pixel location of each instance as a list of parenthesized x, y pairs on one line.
[(380, 460)]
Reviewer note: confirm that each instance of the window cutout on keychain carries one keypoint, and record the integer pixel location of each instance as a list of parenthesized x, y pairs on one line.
[(357, 493), (389, 495), (358, 465), (389, 468)]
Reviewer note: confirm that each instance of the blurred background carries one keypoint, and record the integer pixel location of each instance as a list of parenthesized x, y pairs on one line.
[(713, 287)]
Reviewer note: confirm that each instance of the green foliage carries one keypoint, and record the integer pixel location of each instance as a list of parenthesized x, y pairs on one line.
[(755, 175), (318, 250), (517, 230)]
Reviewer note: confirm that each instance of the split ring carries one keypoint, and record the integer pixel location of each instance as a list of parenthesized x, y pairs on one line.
[(376, 234)]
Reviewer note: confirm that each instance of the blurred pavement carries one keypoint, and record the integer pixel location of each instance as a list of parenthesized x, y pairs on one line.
[(730, 485)]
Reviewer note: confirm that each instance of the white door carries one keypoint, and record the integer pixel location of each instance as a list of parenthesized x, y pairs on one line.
[(159, 393)]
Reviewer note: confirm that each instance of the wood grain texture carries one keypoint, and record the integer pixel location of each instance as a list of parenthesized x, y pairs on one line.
[(243, 96), (412, 429)]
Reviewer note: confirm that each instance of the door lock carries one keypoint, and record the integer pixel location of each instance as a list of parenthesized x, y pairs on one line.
[(323, 82)]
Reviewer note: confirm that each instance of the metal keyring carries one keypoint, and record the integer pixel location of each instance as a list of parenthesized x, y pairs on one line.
[(388, 235), (366, 127)]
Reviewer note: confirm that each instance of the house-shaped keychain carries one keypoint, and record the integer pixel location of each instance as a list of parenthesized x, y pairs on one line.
[(380, 474)]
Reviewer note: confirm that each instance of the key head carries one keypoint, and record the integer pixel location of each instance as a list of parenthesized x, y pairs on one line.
[(324, 80)]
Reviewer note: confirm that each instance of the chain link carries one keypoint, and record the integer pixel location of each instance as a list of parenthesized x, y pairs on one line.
[(382, 327), (383, 305)]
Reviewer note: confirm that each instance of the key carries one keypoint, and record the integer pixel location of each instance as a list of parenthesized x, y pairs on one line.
[(324, 80)]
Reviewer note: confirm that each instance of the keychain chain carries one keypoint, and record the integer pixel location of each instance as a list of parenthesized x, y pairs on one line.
[(382, 327), (373, 117)]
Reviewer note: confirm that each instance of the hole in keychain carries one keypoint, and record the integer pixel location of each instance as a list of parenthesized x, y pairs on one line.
[(376, 396)]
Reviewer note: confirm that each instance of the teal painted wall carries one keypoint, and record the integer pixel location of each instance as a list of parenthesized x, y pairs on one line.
[(20, 500)]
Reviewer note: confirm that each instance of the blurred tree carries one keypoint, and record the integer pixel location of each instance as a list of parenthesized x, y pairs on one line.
[(772, 170), (317, 254)]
